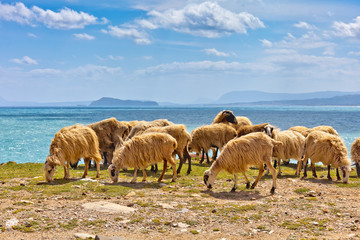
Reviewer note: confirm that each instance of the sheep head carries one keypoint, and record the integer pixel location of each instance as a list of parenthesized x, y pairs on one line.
[(345, 172), (229, 116), (49, 168), (269, 129), (209, 178), (113, 173)]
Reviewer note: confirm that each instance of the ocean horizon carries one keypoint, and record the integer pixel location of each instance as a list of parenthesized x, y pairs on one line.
[(26, 132)]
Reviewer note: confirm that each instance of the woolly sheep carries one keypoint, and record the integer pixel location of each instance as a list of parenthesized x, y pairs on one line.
[(142, 151), (250, 129), (70, 144), (301, 129), (327, 129), (110, 133), (292, 146), (207, 136), (355, 155), (328, 149), (182, 137), (142, 126), (254, 149)]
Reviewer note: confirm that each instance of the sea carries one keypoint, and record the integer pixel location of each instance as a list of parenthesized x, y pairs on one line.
[(26, 132)]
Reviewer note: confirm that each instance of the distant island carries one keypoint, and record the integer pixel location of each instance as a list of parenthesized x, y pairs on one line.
[(114, 102)]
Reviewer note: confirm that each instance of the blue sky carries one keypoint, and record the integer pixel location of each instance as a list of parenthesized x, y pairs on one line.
[(175, 51)]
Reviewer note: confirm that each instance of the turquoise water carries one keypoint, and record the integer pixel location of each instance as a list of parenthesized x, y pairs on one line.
[(26, 133)]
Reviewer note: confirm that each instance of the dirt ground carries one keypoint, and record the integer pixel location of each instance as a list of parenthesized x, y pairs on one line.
[(300, 209)]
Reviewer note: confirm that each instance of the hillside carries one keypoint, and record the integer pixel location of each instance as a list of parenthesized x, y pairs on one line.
[(114, 102)]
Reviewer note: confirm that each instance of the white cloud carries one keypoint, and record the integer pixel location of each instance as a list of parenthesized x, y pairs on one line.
[(347, 29), (25, 60), (132, 33), (354, 53), (266, 43), (84, 36), (213, 51), (64, 19), (32, 35), (305, 25), (207, 19), (116, 58)]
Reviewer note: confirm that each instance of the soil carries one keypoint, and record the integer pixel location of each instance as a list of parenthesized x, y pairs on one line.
[(299, 209)]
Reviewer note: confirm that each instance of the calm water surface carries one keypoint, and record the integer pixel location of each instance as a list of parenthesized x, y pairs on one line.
[(26, 133)]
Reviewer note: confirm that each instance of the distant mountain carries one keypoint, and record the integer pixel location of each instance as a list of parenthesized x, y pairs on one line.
[(258, 96), (347, 100), (114, 102), (5, 103)]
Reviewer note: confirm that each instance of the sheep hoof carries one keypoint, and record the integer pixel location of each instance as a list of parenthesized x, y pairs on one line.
[(272, 190), (252, 186), (233, 189), (247, 185)]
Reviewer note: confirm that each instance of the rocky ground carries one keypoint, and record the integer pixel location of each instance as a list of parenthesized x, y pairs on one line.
[(300, 209)]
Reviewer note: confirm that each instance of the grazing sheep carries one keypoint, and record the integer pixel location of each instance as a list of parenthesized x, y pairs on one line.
[(301, 129), (225, 116), (355, 155), (182, 137), (292, 146), (69, 145), (143, 125), (254, 149), (250, 129), (242, 121), (328, 149), (110, 133), (208, 136), (327, 129), (142, 151)]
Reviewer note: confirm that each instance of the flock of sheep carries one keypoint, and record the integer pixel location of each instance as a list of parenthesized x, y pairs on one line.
[(139, 144)]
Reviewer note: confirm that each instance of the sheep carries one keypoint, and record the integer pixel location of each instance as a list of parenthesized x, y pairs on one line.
[(144, 150), (254, 149), (292, 147), (242, 121), (251, 128), (207, 136), (327, 129), (355, 155), (328, 149), (70, 144), (301, 129), (182, 137), (225, 116), (143, 125), (110, 133)]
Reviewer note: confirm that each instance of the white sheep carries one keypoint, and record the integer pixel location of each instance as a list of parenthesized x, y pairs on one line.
[(208, 136), (182, 137), (143, 125), (69, 145), (292, 146), (144, 150), (328, 149), (254, 149)]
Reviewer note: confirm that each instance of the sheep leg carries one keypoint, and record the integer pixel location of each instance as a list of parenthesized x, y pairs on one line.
[(144, 175), (298, 169), (86, 161), (202, 156), (279, 174), (173, 166), (261, 171), (163, 171), (207, 158), (313, 170), (338, 174), (187, 156), (358, 169), (66, 171), (275, 163), (235, 182), (273, 173), (247, 180), (105, 158), (305, 162), (328, 176), (182, 160), (134, 178), (215, 153)]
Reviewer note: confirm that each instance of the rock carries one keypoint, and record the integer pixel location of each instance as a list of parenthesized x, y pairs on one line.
[(108, 207), (311, 194), (130, 194), (11, 223), (184, 210), (84, 236), (183, 225), (26, 202), (101, 237), (88, 180), (166, 206)]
